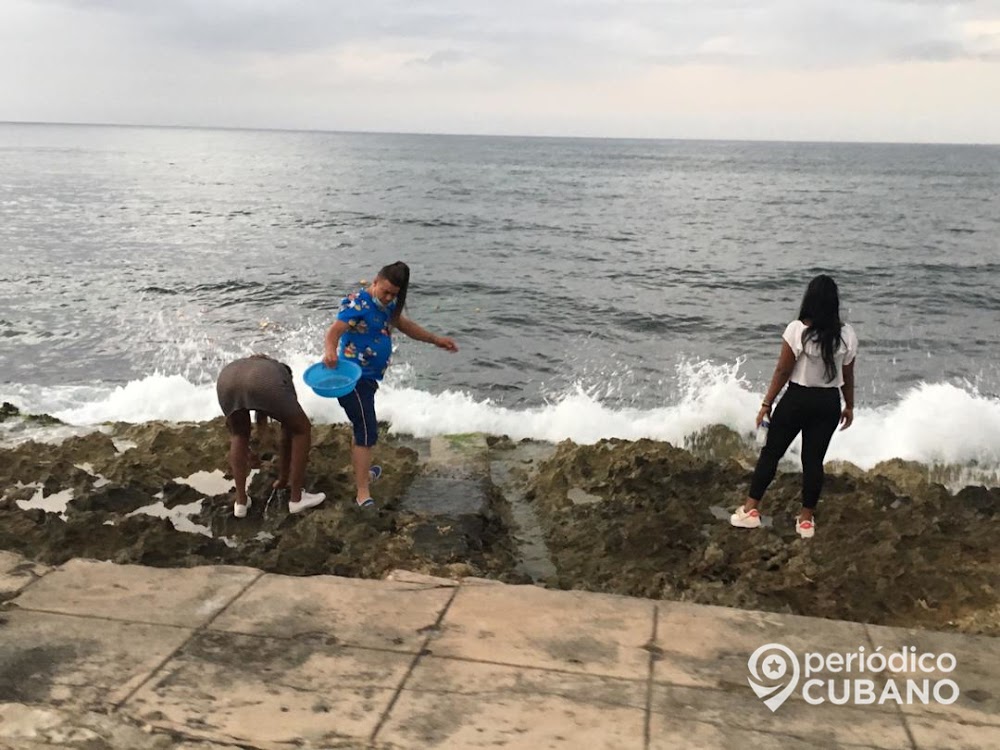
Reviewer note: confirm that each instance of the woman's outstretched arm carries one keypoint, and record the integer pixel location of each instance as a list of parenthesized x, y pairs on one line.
[(419, 333)]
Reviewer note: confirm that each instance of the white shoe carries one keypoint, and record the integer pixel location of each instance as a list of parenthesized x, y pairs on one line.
[(308, 501), (240, 510), (805, 529), (745, 519)]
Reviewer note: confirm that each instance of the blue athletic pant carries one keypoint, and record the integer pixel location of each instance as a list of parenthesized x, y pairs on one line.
[(360, 407)]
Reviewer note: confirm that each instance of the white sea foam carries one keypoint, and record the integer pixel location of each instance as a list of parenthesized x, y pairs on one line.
[(939, 423)]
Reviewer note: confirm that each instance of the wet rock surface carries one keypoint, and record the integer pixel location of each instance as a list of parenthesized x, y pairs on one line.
[(639, 518), (890, 548), (108, 484)]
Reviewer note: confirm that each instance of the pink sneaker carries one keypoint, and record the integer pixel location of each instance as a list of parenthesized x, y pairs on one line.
[(745, 519), (805, 529)]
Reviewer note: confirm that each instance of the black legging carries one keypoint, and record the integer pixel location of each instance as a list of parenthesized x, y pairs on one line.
[(815, 412)]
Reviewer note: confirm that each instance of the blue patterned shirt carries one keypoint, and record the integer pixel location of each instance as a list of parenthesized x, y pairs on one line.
[(368, 339)]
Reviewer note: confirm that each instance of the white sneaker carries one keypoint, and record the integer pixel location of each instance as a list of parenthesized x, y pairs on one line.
[(805, 529), (240, 511), (308, 501), (745, 519)]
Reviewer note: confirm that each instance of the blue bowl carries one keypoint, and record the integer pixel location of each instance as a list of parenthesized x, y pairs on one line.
[(333, 383)]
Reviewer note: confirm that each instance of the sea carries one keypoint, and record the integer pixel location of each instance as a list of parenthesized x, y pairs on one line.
[(597, 288)]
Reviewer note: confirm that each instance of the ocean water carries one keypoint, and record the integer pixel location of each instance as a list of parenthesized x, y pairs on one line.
[(597, 288)]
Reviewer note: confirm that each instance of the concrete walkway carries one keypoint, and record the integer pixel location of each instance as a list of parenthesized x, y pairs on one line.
[(98, 656)]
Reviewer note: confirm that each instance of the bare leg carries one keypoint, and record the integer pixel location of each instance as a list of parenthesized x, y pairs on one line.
[(257, 440), (284, 458), (361, 458), (296, 437), (239, 452)]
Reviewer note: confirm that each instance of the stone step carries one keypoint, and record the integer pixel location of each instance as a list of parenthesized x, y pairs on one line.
[(459, 455), (454, 481), (453, 493), (443, 496)]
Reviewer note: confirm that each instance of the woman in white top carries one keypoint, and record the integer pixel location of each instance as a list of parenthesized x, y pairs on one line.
[(817, 361)]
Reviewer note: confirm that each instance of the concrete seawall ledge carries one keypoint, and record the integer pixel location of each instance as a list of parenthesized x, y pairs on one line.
[(98, 655)]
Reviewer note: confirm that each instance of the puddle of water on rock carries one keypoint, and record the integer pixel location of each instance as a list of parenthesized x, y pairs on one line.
[(719, 512), (210, 483), (578, 496), (99, 479), (54, 503), (178, 516), (535, 558), (122, 445)]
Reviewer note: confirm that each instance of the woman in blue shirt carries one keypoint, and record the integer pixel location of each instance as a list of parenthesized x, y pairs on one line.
[(363, 333)]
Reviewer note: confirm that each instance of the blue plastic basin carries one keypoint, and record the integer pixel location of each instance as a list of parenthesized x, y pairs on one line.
[(335, 382)]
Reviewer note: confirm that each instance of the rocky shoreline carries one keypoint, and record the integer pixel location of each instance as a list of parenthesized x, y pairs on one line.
[(640, 518), (895, 552)]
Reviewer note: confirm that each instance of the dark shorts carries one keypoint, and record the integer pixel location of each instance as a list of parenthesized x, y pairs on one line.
[(260, 384), (360, 407)]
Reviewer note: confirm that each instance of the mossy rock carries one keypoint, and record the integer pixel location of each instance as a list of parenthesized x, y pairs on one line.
[(9, 411)]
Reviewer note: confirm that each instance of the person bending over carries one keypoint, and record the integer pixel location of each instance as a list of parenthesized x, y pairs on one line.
[(264, 385)]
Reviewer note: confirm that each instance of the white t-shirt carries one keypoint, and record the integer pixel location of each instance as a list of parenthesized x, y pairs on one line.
[(810, 370)]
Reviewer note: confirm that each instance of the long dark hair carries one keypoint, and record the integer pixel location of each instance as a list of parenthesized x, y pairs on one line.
[(397, 274), (821, 307)]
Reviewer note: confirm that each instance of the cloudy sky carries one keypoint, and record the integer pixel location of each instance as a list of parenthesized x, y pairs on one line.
[(883, 70)]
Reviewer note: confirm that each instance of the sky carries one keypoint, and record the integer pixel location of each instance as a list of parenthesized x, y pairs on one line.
[(829, 70)]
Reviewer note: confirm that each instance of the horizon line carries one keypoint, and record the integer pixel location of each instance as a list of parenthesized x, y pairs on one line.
[(490, 135)]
